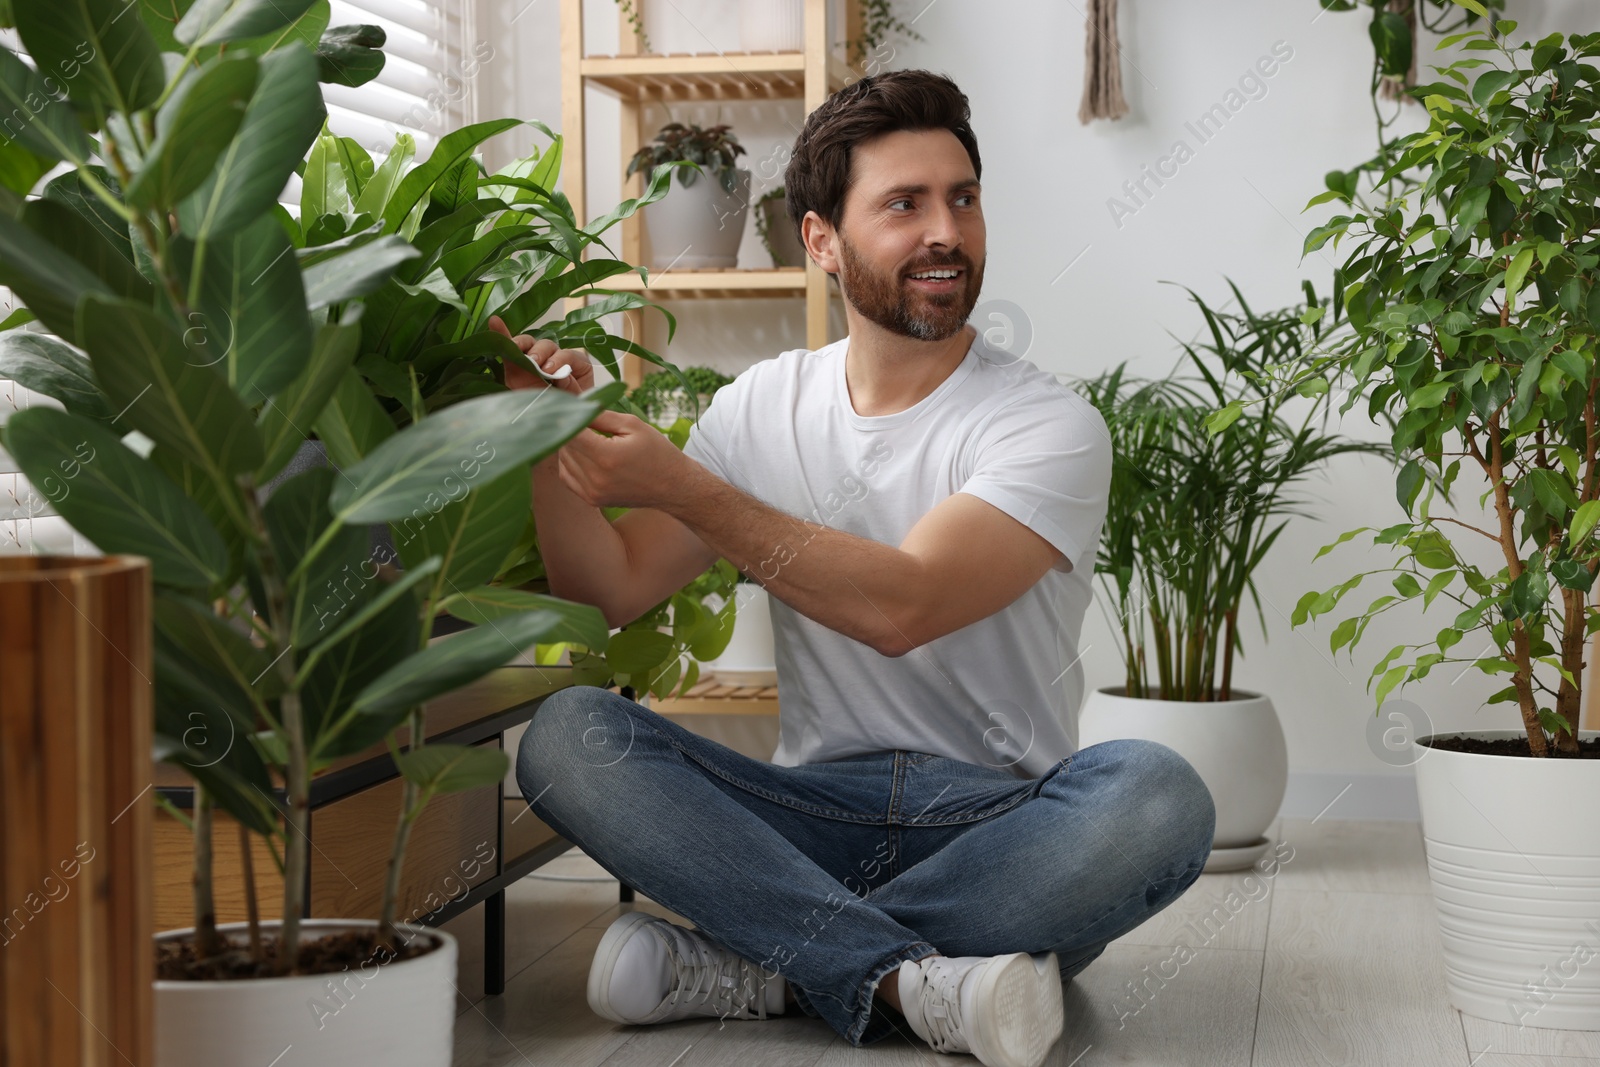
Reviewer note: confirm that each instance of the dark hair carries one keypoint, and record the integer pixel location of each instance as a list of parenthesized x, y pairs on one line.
[(818, 174)]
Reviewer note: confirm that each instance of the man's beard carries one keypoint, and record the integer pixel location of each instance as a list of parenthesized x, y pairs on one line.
[(894, 303)]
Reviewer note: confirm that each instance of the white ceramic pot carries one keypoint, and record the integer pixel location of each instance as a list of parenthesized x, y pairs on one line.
[(1514, 860), (1236, 745), (398, 1014), (772, 25), (698, 226), (749, 657)]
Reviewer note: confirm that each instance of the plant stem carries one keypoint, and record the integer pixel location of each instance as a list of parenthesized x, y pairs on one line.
[(1519, 633), (252, 910), (205, 909)]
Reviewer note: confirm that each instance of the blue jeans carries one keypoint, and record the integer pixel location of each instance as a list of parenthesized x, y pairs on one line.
[(833, 874)]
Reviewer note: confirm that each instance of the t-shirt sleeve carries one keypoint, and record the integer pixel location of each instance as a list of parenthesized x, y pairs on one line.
[(707, 443), (1047, 464)]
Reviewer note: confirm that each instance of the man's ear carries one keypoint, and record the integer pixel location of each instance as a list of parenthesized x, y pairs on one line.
[(818, 238)]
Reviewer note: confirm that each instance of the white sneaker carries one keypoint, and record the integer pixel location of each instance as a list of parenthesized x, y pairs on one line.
[(648, 970), (1005, 1010)]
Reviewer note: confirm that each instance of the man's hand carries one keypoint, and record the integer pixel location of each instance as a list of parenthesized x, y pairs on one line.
[(635, 467), (544, 353)]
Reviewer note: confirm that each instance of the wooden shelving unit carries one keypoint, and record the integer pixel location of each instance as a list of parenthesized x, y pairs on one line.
[(711, 697), (637, 80)]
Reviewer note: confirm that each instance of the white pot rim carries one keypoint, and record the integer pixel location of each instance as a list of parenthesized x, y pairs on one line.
[(1491, 735), (1240, 696), (441, 941)]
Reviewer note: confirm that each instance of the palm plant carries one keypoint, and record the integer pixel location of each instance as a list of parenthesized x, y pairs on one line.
[(1202, 486)]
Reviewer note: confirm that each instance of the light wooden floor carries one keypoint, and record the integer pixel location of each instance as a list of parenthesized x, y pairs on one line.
[(1334, 962)]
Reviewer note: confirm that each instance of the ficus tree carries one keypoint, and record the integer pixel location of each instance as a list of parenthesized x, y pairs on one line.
[(1470, 286)]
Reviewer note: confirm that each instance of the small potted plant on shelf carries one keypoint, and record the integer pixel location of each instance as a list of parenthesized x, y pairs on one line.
[(1191, 515), (1473, 297), (777, 232), (700, 225), (193, 333)]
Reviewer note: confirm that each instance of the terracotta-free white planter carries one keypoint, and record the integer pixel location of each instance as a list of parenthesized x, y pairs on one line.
[(1514, 860), (698, 226), (398, 1014), (749, 658), (772, 25), (1236, 745)]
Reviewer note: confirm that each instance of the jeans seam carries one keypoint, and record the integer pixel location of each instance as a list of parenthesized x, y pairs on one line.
[(776, 798)]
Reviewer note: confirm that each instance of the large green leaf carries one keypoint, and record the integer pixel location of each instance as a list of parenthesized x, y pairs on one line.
[(452, 148), (453, 768), (252, 308), (469, 443), (47, 366), (341, 577), (356, 272), (376, 193), (584, 624), (216, 21), (103, 59), (287, 417), (279, 124), (323, 189), (345, 668), (20, 171), (70, 189), (352, 423), (49, 281), (146, 373), (222, 649), (349, 55), (193, 128), (455, 661), (637, 650), (83, 239), (35, 118), (471, 534), (120, 502)]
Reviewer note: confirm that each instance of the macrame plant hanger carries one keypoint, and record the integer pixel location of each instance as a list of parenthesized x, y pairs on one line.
[(1102, 69)]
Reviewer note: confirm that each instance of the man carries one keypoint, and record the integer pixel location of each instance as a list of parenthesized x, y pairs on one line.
[(925, 512)]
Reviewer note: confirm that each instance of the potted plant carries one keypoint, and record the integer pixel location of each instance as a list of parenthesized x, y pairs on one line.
[(1472, 298), (777, 232), (192, 339), (772, 25), (1196, 502), (702, 225)]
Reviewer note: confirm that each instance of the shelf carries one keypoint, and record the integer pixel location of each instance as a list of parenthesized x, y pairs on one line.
[(708, 76), (715, 282), (711, 697)]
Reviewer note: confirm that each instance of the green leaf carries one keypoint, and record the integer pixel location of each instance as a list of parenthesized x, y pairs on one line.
[(325, 589), (47, 366), (36, 119), (349, 55), (144, 371), (582, 624), (47, 279), (474, 441), (357, 272), (217, 21), (352, 423), (285, 418), (638, 650), (1220, 420), (453, 768), (105, 61), (452, 148), (1583, 523), (1517, 272), (1391, 38), (250, 322), (1489, 83), (471, 534), (461, 658), (280, 123), (193, 128), (1572, 574), (375, 195), (305, 30), (118, 501)]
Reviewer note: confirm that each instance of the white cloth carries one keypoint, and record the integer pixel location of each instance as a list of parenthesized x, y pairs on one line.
[(1002, 692)]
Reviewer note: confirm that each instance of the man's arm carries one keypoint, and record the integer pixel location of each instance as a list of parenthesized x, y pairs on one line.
[(963, 561), (623, 567)]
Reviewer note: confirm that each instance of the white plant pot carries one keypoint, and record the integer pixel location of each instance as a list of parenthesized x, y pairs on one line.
[(1236, 745), (772, 25), (699, 226), (399, 1015), (749, 657), (1514, 862)]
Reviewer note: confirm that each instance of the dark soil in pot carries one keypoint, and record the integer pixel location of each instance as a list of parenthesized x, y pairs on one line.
[(328, 954), (1511, 746)]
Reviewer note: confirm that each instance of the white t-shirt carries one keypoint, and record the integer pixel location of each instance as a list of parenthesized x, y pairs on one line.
[(1003, 691)]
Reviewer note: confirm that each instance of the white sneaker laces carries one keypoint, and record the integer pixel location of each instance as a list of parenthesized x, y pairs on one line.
[(726, 984), (939, 1006)]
